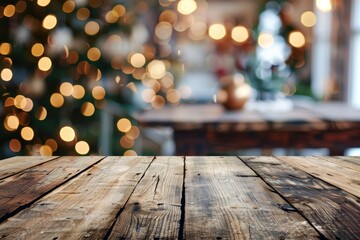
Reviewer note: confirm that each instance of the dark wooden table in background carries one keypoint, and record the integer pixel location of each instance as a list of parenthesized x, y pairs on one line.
[(208, 129), (180, 198)]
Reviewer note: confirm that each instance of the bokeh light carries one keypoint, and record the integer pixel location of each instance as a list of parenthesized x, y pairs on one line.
[(15, 145), (6, 74), (82, 147), (98, 92), (45, 150), (27, 133), (87, 109), (43, 3), (297, 39), (37, 50), (49, 22), (137, 60), (92, 28), (124, 125), (308, 19), (78, 92), (67, 134), (324, 5), (239, 34), (186, 7), (44, 64), (57, 100), (217, 31), (156, 69), (265, 40)]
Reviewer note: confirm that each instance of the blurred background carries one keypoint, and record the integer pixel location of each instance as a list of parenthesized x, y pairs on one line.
[(74, 73)]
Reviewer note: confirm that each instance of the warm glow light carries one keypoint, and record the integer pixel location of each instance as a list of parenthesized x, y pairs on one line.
[(173, 96), (217, 31), (44, 64), (37, 50), (133, 133), (87, 109), (156, 69), (186, 7), (49, 22), (324, 5), (239, 34), (82, 147), (67, 134), (137, 60), (66, 89), (158, 102), (297, 39), (20, 101), (78, 92), (83, 14), (118, 10), (5, 48), (98, 92), (130, 153), (57, 100), (9, 10), (6, 74), (124, 125), (68, 6), (163, 30), (308, 19), (12, 122), (94, 54), (43, 3), (45, 150), (41, 113), (92, 28), (28, 105), (52, 144), (15, 145), (27, 133), (266, 40), (126, 142)]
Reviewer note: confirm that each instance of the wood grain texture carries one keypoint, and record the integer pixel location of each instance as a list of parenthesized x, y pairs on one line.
[(25, 187), (85, 207), (333, 173), (343, 162), (225, 200), (154, 209), (334, 212), (11, 166)]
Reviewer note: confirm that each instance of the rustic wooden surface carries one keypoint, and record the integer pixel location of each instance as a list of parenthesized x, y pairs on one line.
[(211, 129), (180, 198)]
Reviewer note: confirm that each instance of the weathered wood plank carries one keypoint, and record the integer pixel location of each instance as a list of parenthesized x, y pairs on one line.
[(344, 178), (334, 212), (11, 166), (84, 207), (224, 201), (25, 187), (154, 209), (352, 163)]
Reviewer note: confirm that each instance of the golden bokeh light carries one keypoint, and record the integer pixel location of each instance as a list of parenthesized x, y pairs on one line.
[(173, 96), (158, 102), (240, 34), (91, 28), (11, 123), (156, 69), (45, 150), (66, 89), (133, 133), (119, 10), (49, 22), (137, 60), (52, 144), (148, 94), (9, 102), (130, 153), (9, 10), (297, 39), (37, 50), (20, 6), (5, 48), (93, 54), (41, 113), (68, 6), (15, 145), (217, 31), (308, 19), (324, 5), (186, 7), (124, 125), (83, 14), (44, 64), (78, 92), (87, 109), (163, 30), (98, 92), (57, 100), (6, 74), (67, 134), (20, 101), (43, 3), (27, 133), (126, 142), (82, 147), (266, 40), (28, 105)]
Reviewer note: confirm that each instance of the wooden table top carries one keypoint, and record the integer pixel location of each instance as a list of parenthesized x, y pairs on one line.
[(306, 115), (180, 197)]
